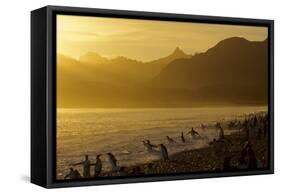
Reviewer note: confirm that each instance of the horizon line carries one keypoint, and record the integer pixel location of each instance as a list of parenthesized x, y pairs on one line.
[(77, 58)]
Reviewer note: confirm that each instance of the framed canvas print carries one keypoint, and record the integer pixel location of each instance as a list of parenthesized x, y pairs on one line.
[(125, 96)]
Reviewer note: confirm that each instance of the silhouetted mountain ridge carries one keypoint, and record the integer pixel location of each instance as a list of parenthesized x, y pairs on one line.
[(232, 72), (136, 71), (234, 62)]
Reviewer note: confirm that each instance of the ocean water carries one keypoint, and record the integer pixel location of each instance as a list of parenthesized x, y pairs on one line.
[(121, 132)]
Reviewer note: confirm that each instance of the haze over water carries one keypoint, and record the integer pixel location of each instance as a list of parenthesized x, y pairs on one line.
[(121, 131)]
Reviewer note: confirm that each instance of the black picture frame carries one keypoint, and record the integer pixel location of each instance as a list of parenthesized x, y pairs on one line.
[(43, 92)]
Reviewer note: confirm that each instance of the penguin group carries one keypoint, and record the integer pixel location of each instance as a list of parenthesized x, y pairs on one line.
[(86, 166), (162, 150)]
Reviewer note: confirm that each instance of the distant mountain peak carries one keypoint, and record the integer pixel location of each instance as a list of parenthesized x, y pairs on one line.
[(91, 54), (230, 43), (92, 57), (233, 40), (178, 51)]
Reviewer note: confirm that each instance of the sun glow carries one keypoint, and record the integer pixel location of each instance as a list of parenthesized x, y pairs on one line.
[(142, 39)]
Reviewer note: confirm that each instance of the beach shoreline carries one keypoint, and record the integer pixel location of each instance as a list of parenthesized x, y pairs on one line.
[(216, 157), (205, 159), (198, 160)]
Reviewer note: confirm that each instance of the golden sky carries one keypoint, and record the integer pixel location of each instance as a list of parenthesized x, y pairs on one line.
[(142, 39)]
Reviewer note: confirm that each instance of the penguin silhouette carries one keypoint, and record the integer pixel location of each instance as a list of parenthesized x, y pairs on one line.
[(113, 161), (182, 138), (170, 140), (163, 152), (98, 166)]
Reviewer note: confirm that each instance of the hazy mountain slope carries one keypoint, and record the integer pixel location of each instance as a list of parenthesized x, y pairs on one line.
[(74, 70), (79, 83), (232, 72), (120, 66), (157, 65), (235, 65), (84, 85), (136, 71)]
